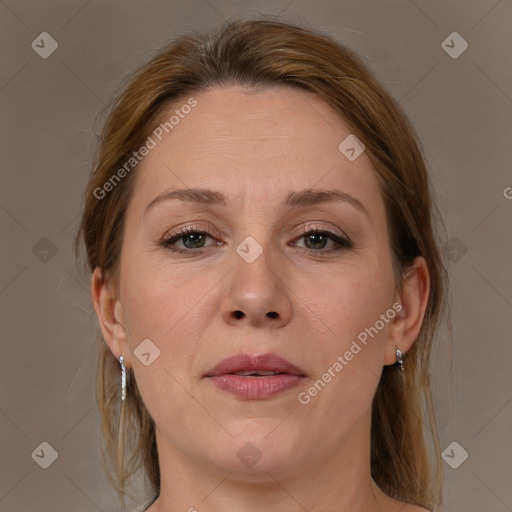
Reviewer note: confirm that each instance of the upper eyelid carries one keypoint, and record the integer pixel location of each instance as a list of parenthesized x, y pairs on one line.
[(191, 228), (215, 232), (334, 231)]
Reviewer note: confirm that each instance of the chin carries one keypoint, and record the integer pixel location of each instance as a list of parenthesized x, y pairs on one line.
[(258, 446)]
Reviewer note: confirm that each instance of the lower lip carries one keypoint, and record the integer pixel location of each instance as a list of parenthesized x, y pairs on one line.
[(256, 388)]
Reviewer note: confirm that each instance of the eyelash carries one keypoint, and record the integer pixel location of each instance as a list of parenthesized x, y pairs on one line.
[(168, 242)]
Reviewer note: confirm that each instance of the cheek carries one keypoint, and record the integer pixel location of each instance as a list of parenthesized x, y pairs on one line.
[(353, 299), (173, 309), (157, 298), (160, 307), (347, 365), (354, 313)]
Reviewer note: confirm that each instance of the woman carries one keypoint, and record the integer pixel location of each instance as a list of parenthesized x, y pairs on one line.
[(260, 230)]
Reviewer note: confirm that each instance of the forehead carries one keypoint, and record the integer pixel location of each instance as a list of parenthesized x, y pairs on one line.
[(261, 142)]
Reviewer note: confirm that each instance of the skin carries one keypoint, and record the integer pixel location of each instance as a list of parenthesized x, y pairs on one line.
[(256, 147)]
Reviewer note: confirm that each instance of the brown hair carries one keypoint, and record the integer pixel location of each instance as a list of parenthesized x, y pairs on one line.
[(258, 53)]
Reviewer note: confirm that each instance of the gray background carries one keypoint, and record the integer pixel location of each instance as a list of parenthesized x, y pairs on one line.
[(462, 109)]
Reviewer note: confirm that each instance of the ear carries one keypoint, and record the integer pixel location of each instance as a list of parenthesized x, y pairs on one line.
[(110, 316), (414, 299)]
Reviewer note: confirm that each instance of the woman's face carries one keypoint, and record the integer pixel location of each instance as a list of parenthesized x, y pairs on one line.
[(306, 298)]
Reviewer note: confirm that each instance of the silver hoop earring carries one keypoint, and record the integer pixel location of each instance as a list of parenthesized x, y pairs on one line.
[(123, 378), (399, 358)]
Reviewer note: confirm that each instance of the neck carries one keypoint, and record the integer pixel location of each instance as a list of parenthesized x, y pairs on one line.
[(340, 480)]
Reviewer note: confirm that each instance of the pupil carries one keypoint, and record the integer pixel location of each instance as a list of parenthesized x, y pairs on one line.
[(318, 236), (192, 236)]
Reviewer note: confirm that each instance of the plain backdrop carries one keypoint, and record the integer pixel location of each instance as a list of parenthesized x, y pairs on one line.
[(461, 106)]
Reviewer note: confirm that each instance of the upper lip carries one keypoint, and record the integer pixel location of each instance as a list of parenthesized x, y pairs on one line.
[(248, 362)]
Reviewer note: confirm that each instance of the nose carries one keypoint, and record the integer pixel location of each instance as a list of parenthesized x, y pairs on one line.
[(256, 293)]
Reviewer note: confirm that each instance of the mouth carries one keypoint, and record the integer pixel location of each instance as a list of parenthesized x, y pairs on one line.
[(258, 373), (255, 377), (247, 365)]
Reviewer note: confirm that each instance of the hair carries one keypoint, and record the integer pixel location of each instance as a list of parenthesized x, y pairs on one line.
[(255, 54)]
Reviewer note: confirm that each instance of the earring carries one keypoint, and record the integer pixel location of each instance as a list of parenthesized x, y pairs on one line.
[(123, 378), (399, 358)]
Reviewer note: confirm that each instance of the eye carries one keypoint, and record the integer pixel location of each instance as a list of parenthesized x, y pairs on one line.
[(192, 237), (316, 239), (196, 239)]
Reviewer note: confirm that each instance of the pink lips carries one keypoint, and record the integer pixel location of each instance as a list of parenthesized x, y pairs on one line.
[(252, 387)]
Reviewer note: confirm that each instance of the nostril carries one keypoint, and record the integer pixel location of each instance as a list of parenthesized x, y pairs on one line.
[(238, 314), (272, 314)]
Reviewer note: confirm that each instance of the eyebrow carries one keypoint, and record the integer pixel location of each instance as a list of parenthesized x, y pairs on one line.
[(296, 199)]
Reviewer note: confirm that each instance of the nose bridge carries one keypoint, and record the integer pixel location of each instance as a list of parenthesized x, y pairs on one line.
[(256, 292)]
